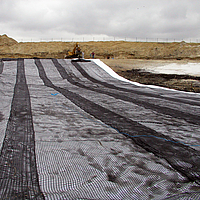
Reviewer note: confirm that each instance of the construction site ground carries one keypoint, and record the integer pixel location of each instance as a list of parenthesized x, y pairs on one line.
[(78, 130), (70, 130), (148, 72), (126, 58)]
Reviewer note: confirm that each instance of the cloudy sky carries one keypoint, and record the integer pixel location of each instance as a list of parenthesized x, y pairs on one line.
[(36, 20)]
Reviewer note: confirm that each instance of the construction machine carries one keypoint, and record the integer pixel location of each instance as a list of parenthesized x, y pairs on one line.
[(76, 53)]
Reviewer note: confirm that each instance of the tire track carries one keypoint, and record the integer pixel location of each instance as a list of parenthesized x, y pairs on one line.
[(18, 170), (194, 119), (182, 158)]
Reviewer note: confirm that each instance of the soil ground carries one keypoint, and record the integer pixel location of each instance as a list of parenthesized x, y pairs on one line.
[(137, 70)]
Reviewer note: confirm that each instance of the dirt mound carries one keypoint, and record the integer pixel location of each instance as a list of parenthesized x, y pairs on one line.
[(7, 41)]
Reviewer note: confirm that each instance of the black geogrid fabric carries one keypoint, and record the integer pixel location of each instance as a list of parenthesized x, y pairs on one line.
[(87, 180), (93, 167), (186, 196), (18, 172), (183, 158), (174, 113), (1, 66)]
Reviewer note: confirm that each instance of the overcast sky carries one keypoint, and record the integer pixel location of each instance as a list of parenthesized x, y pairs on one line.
[(26, 20)]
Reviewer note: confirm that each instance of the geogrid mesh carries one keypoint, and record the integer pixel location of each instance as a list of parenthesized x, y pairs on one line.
[(79, 151), (18, 171)]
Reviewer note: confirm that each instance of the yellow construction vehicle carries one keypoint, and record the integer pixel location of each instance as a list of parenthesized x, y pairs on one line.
[(76, 53)]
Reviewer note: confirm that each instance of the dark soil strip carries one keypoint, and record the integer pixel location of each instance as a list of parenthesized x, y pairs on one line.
[(163, 80), (183, 158), (1, 66), (86, 75), (9, 59), (18, 170), (165, 77), (194, 119)]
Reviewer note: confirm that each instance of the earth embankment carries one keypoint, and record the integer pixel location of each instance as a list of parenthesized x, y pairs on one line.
[(10, 48)]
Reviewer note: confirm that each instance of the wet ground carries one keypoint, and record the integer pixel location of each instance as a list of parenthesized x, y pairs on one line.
[(181, 75), (174, 81), (69, 130)]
